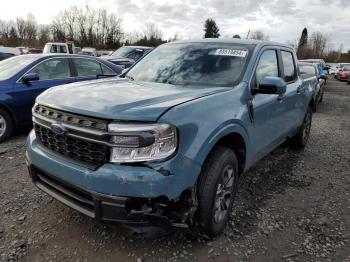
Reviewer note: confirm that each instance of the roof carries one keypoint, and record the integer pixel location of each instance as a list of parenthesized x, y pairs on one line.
[(141, 47), (232, 41), (38, 56)]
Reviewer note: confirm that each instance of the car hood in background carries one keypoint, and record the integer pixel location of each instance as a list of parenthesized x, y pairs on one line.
[(122, 99)]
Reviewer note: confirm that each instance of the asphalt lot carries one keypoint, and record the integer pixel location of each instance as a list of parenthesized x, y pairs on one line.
[(293, 206)]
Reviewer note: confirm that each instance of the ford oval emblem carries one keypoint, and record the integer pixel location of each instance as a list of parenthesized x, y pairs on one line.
[(58, 129)]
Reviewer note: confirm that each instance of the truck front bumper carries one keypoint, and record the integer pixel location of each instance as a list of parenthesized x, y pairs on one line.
[(105, 193)]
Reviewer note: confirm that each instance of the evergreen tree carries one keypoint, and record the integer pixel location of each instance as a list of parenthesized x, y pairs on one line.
[(211, 29), (302, 43), (236, 36)]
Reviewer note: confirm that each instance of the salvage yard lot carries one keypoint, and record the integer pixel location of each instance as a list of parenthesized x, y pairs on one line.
[(292, 206)]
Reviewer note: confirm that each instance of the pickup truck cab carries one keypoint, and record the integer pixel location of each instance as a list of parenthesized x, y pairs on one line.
[(167, 143), (59, 48)]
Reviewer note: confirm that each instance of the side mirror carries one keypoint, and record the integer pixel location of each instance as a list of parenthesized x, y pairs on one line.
[(270, 85), (30, 77)]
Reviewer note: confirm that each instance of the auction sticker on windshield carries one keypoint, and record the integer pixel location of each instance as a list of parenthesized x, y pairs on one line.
[(229, 52)]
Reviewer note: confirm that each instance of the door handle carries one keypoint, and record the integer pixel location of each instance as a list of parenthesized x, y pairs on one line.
[(300, 89)]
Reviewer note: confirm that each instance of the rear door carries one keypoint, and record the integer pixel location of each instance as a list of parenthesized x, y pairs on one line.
[(52, 72), (293, 98)]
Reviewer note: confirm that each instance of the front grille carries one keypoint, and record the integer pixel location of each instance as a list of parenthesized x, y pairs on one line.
[(74, 148), (66, 118)]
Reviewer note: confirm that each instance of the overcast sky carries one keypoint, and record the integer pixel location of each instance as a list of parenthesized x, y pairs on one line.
[(282, 20)]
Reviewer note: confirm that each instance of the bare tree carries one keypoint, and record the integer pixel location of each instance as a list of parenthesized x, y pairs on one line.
[(318, 44), (258, 35)]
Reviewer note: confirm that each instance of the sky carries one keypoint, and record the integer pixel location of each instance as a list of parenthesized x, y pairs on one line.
[(281, 20)]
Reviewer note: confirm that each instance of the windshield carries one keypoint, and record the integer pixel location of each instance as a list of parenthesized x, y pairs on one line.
[(346, 68), (11, 66), (213, 64), (123, 51)]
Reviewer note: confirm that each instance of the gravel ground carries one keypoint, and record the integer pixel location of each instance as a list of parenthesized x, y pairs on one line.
[(292, 206)]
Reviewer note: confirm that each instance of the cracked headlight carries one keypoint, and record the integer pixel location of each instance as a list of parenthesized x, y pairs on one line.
[(142, 142)]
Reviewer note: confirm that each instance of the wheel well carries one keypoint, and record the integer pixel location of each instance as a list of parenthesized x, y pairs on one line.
[(312, 103), (236, 142), (9, 112)]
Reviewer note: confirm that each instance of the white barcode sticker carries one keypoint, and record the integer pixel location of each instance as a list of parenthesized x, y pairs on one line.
[(229, 52)]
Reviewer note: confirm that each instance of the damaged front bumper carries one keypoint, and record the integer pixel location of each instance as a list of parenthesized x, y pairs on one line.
[(159, 194)]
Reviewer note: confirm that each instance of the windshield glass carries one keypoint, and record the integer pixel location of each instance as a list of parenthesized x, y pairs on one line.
[(12, 66), (213, 64), (123, 51)]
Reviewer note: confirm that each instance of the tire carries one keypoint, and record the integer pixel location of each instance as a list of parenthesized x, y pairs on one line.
[(6, 125), (214, 199), (321, 97), (299, 141)]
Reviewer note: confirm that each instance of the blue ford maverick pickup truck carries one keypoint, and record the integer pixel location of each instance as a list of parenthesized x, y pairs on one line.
[(166, 144)]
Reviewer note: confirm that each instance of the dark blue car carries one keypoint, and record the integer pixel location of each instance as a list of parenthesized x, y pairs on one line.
[(23, 78)]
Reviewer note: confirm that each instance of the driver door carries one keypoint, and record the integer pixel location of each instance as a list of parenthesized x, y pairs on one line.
[(268, 120)]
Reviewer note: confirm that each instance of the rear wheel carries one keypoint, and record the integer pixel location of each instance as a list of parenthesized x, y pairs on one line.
[(301, 138), (216, 190), (6, 125)]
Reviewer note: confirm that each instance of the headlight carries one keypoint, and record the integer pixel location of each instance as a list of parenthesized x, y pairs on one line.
[(142, 142)]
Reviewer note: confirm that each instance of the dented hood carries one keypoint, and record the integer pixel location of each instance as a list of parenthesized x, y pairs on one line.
[(122, 99)]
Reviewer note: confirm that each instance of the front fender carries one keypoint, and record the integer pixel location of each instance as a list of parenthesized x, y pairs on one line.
[(223, 130)]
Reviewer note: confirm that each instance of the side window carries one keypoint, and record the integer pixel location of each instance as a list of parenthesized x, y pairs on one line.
[(267, 66), (87, 67), (107, 71), (288, 66), (57, 68)]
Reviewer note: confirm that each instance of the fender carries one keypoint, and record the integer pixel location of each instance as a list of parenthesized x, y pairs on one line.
[(226, 128), (4, 97)]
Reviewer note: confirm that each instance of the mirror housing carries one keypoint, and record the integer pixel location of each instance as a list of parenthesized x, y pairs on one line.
[(270, 85), (30, 77)]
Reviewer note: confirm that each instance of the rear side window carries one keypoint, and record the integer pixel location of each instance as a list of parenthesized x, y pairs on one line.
[(58, 49), (107, 71), (87, 67), (288, 66), (267, 66)]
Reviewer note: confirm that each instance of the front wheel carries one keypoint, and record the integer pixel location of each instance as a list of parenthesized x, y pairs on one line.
[(217, 187), (6, 125), (301, 138)]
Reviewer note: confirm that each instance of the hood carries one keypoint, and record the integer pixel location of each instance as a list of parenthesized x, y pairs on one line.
[(122, 99)]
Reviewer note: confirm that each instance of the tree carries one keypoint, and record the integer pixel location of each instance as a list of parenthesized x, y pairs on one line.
[(303, 43), (211, 29), (258, 35), (13, 37), (236, 36), (319, 42)]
